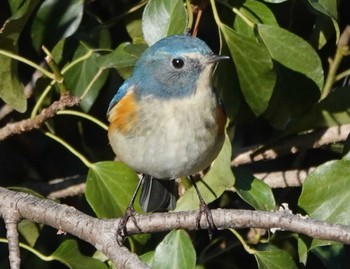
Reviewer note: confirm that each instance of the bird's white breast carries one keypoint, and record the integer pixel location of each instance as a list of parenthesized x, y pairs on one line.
[(173, 138)]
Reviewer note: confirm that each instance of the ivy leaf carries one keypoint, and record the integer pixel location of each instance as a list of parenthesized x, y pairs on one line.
[(271, 257), (254, 191), (11, 89), (163, 18), (293, 52), (109, 188), (325, 195), (254, 67), (56, 20), (86, 77), (68, 253), (175, 251)]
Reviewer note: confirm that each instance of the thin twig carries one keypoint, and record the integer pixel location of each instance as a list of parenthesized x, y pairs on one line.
[(342, 50), (10, 129)]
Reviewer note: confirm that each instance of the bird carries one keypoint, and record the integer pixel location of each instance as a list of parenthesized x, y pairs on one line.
[(166, 121)]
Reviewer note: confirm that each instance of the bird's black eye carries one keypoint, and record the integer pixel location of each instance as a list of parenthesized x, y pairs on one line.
[(178, 63)]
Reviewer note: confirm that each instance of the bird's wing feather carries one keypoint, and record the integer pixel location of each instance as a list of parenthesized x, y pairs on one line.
[(119, 95)]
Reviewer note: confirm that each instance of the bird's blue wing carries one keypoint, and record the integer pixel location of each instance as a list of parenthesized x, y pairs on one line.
[(118, 96)]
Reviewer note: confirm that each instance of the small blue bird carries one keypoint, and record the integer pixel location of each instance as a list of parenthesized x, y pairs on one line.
[(166, 120)]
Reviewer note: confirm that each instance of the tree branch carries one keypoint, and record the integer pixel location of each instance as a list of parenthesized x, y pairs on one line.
[(292, 145), (10, 129), (102, 233)]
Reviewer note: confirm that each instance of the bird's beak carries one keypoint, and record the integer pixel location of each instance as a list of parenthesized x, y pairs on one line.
[(217, 58)]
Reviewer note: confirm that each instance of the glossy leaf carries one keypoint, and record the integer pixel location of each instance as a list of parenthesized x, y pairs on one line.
[(297, 93), (68, 253), (274, 258), (109, 188), (214, 183), (254, 67), (322, 32), (30, 231), (293, 52), (327, 7), (56, 20), (134, 27), (84, 73), (256, 12), (322, 190), (163, 18), (325, 194), (275, 1), (175, 251), (11, 89), (333, 257), (332, 111), (254, 191), (123, 58)]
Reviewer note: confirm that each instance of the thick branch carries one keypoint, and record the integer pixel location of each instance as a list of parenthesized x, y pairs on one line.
[(292, 145), (10, 129), (284, 179), (102, 233), (12, 219)]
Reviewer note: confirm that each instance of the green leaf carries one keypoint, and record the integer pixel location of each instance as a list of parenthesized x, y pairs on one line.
[(325, 195), (147, 257), (297, 93), (331, 111), (293, 52), (134, 27), (254, 67), (214, 183), (82, 74), (275, 1), (123, 58), (163, 18), (30, 231), (333, 257), (55, 20), (322, 32), (109, 188), (68, 253), (326, 7), (326, 192), (256, 12), (254, 191), (274, 258), (175, 251), (11, 89)]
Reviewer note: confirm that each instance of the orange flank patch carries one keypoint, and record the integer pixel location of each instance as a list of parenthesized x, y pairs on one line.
[(124, 114), (220, 119)]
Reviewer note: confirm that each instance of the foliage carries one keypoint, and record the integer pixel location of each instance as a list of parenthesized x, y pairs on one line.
[(277, 84)]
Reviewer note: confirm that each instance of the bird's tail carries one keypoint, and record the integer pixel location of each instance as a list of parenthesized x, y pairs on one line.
[(158, 195)]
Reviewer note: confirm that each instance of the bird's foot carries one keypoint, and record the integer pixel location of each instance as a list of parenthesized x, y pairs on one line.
[(122, 231), (204, 210)]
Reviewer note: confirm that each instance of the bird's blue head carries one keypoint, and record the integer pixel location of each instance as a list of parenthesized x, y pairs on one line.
[(172, 67)]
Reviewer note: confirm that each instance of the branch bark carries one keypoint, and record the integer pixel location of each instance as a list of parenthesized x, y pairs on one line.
[(292, 145), (101, 233), (10, 129)]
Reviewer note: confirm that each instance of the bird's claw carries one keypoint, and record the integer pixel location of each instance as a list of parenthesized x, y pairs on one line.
[(122, 231), (204, 209)]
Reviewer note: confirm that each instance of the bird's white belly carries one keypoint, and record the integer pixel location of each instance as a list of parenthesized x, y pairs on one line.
[(180, 141)]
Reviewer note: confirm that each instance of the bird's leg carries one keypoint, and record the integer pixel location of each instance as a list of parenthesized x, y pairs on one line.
[(129, 213), (203, 209)]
